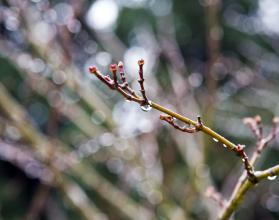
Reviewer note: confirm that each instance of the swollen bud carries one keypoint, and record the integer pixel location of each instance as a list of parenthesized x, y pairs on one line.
[(93, 69), (113, 68), (141, 62)]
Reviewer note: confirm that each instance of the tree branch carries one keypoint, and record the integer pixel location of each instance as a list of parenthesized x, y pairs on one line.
[(247, 184), (248, 178), (141, 100), (242, 185)]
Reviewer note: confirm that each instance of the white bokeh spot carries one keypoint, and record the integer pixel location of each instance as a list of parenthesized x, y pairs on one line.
[(102, 15), (269, 15)]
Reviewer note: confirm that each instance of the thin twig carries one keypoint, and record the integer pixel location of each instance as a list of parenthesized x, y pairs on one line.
[(171, 121), (255, 124), (141, 80)]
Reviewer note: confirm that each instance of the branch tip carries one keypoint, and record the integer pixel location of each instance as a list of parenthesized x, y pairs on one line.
[(93, 69), (258, 119), (120, 64), (200, 124), (113, 68), (275, 120), (141, 62), (141, 81)]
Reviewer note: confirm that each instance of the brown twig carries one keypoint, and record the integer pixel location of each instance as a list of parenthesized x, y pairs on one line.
[(115, 86), (255, 124), (141, 80), (262, 142), (171, 121), (124, 84)]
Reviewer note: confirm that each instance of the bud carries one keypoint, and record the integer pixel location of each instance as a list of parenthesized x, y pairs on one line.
[(275, 120), (120, 64), (113, 68), (92, 69), (258, 119), (141, 62)]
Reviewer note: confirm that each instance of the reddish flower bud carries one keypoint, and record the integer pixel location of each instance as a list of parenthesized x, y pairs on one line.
[(93, 69), (141, 62), (113, 68)]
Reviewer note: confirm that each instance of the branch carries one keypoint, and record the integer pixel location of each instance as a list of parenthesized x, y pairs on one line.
[(249, 177), (129, 94), (171, 121), (242, 185), (255, 124), (21, 156), (239, 150), (247, 184), (256, 127)]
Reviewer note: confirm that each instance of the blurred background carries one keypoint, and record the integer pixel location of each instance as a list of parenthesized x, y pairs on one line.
[(71, 148)]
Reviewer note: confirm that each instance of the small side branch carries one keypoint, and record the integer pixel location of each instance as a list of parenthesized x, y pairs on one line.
[(263, 142), (141, 80), (171, 120), (255, 124), (113, 84)]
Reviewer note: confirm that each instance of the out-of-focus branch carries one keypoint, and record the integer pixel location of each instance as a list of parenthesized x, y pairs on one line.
[(87, 174), (216, 196), (255, 125), (21, 156), (38, 202), (264, 141), (213, 45)]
